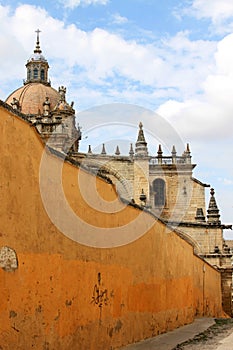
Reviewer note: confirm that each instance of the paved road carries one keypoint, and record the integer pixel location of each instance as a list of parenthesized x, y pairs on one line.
[(202, 334), (226, 343)]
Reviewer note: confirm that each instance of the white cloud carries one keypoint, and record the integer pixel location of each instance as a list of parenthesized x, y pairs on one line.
[(102, 55), (211, 110), (214, 9), (118, 19), (76, 3), (189, 61), (196, 74), (220, 13)]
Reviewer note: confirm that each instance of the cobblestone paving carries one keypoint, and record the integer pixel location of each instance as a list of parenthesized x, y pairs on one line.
[(210, 339)]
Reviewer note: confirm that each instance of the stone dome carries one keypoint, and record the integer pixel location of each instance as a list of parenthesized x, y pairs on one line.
[(32, 96)]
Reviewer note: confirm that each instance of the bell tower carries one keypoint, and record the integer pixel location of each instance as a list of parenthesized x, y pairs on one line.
[(37, 66)]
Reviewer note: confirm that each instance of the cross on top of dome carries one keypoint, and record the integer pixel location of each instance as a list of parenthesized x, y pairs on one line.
[(37, 49)]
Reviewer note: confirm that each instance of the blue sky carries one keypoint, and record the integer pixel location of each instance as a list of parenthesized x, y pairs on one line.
[(171, 57)]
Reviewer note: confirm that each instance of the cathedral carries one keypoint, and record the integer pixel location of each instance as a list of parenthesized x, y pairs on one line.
[(161, 184), (57, 289)]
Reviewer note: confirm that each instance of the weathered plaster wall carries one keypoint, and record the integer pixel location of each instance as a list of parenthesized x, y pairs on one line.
[(64, 295)]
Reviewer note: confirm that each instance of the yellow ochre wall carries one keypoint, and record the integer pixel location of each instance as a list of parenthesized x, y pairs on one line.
[(51, 301)]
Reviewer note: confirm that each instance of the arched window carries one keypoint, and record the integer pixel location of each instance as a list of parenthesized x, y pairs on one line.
[(42, 74), (159, 190), (35, 73)]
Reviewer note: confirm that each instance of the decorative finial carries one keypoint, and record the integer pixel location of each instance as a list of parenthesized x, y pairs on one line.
[(103, 149), (160, 155), (131, 151), (174, 159), (187, 154), (141, 144), (141, 137), (62, 92), (117, 153), (15, 103), (143, 198), (213, 211), (46, 105), (160, 152), (212, 192), (173, 151), (37, 49)]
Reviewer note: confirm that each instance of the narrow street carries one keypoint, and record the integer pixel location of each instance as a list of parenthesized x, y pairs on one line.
[(202, 334), (217, 337)]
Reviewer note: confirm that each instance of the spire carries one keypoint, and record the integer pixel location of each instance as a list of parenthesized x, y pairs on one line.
[(103, 149), (117, 153), (141, 137), (213, 211), (160, 154), (37, 49), (141, 144), (173, 151), (187, 154), (173, 155), (131, 151)]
